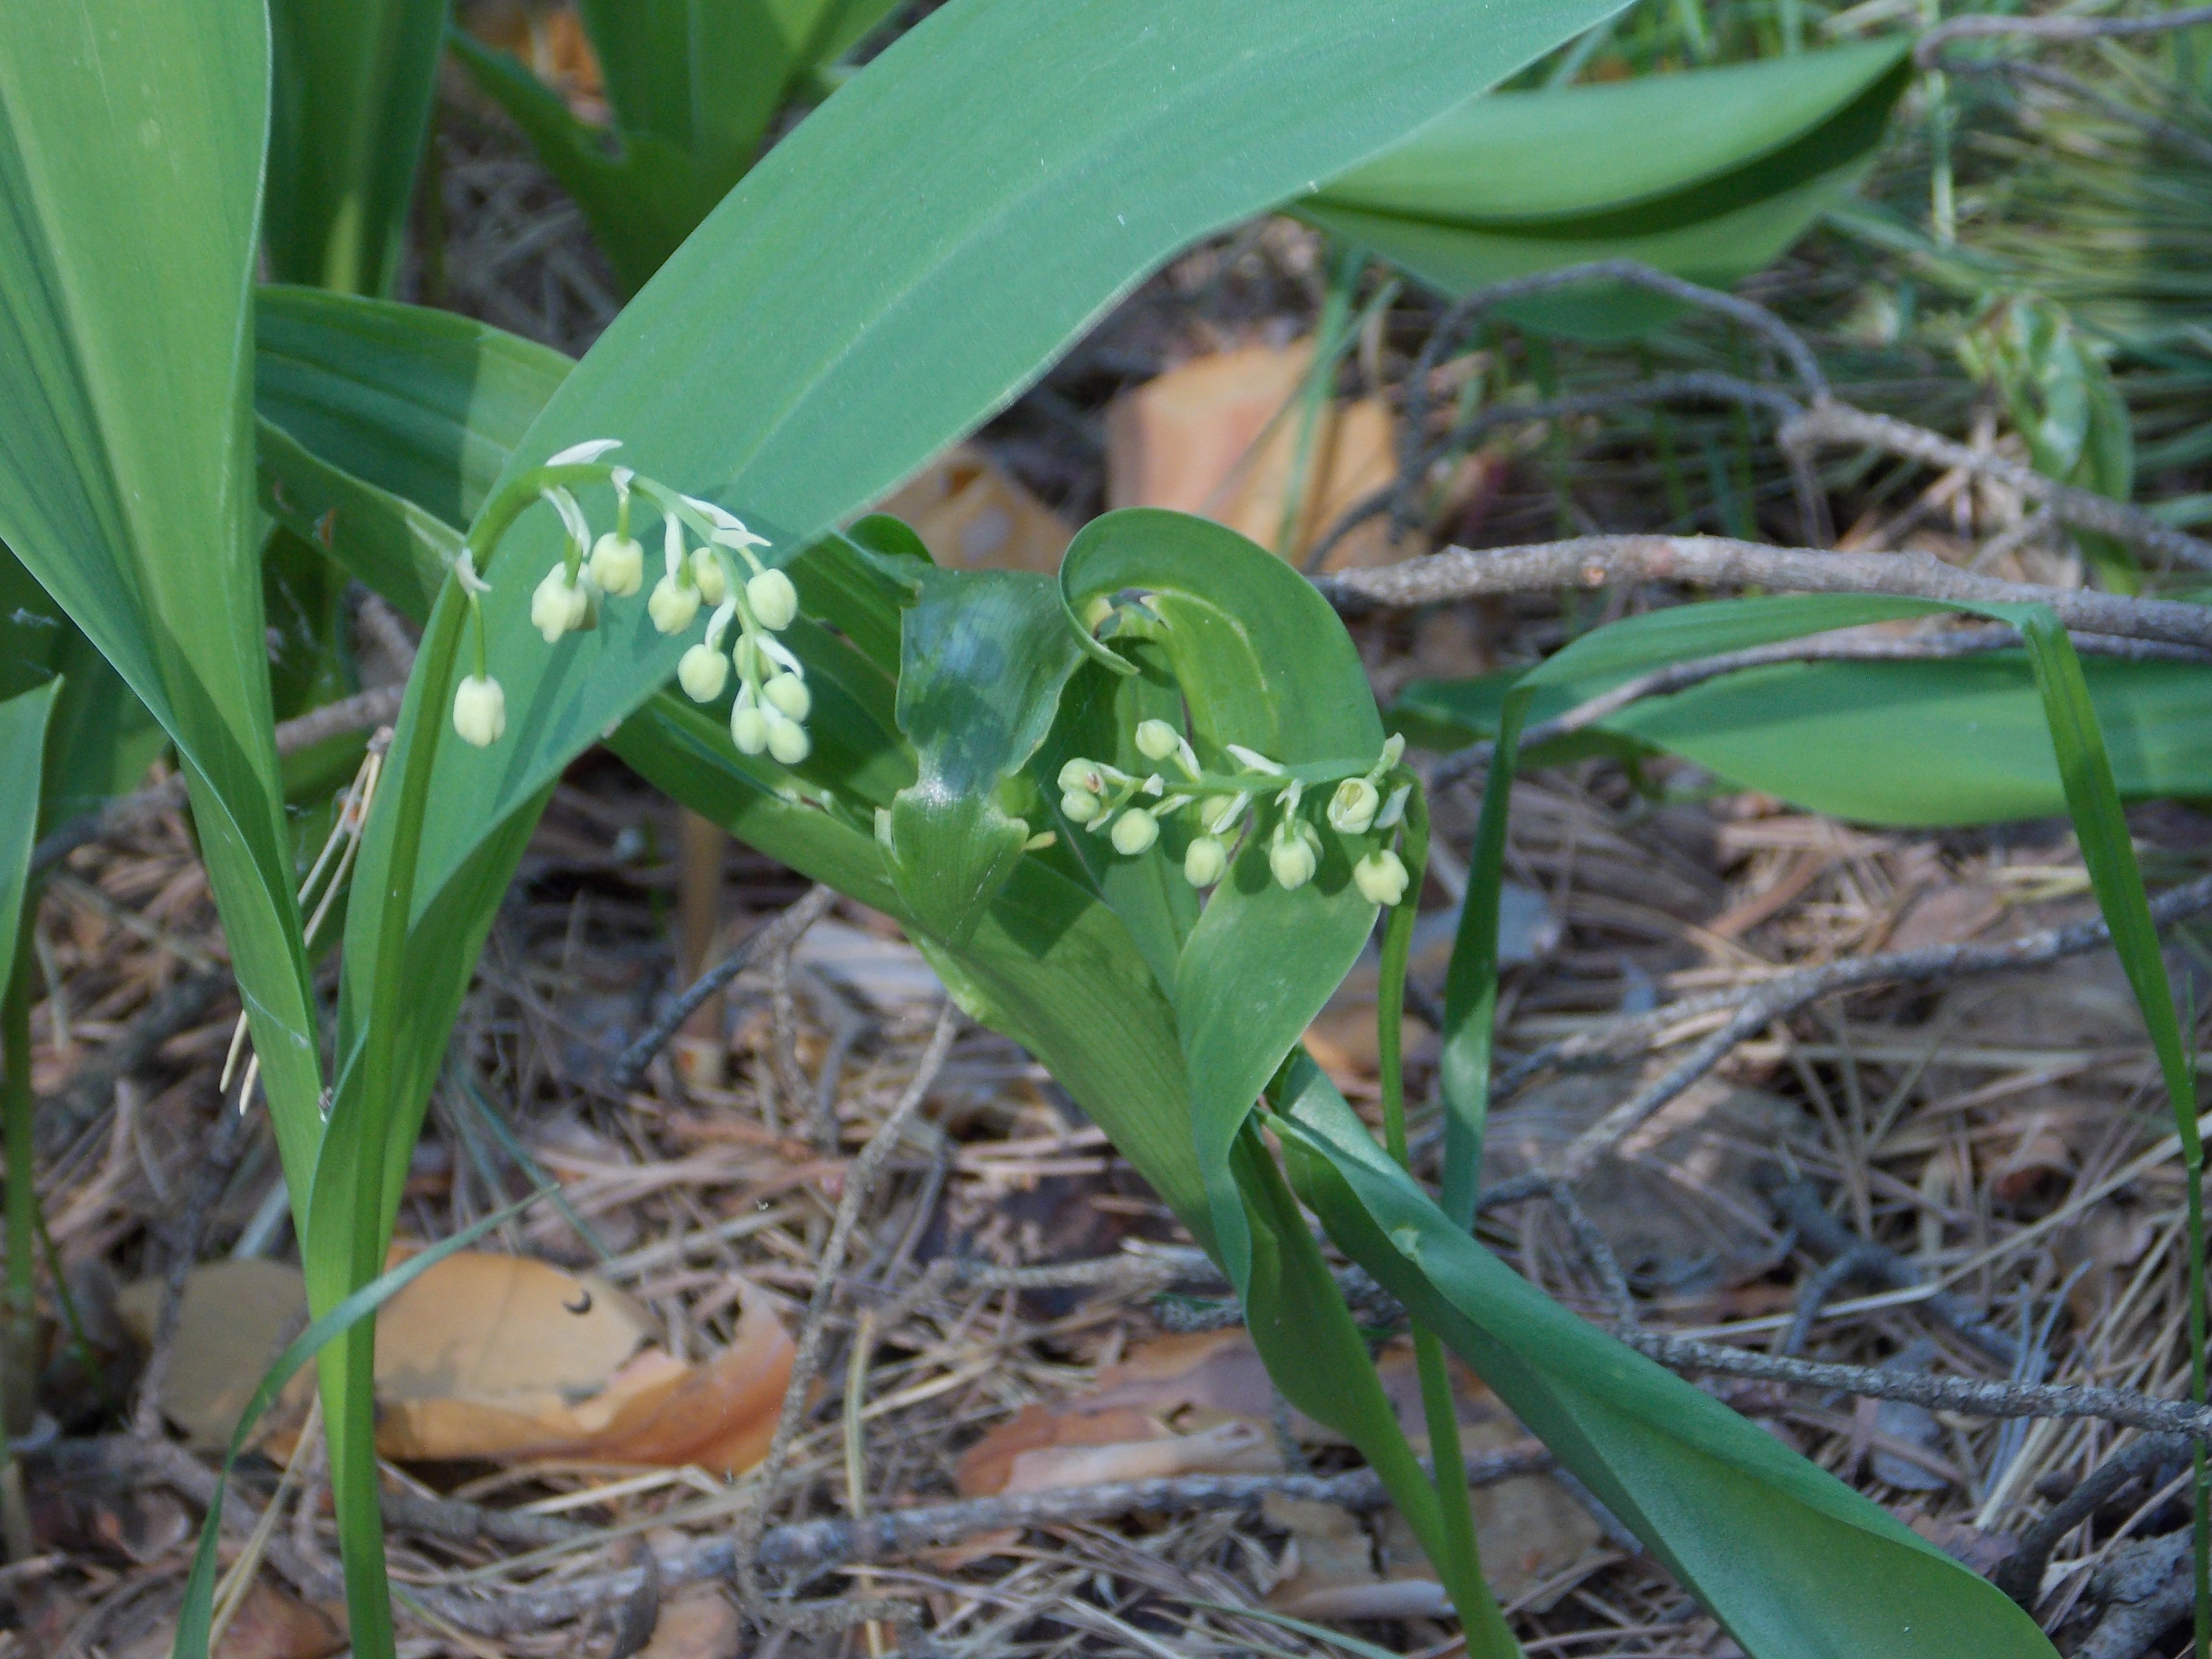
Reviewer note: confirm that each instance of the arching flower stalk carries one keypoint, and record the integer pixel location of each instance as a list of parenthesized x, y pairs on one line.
[(1221, 808), (708, 558)]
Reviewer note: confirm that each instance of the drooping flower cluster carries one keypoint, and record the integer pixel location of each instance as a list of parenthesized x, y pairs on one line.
[(1224, 808), (769, 713)]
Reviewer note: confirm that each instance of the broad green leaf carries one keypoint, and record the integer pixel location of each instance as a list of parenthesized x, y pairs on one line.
[(1726, 168), (1964, 740), (398, 549), (131, 142), (352, 105), (421, 403), (1792, 1563), (24, 720)]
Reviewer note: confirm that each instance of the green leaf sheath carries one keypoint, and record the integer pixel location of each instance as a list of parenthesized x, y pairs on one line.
[(24, 719), (130, 153), (352, 104), (1471, 980), (985, 656), (1730, 166), (102, 738), (1792, 1563)]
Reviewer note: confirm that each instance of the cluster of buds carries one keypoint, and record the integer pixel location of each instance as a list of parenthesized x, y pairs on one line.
[(1222, 806), (772, 701)]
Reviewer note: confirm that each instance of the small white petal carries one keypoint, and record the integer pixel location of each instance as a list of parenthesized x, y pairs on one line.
[(572, 516), (578, 454)]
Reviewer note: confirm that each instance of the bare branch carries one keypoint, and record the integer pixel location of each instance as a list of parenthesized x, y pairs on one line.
[(1784, 994), (1972, 1395), (1836, 424), (813, 1544), (770, 940), (1458, 574)]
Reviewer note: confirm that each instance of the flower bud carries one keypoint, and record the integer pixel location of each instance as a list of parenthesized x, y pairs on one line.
[(671, 606), (773, 600), (1135, 831), (787, 741), (558, 606), (1080, 773), (748, 728), (787, 695), (707, 571), (702, 671), (1079, 805), (1157, 739), (618, 564), (1352, 809), (1381, 877), (480, 711), (1205, 862), (1292, 860)]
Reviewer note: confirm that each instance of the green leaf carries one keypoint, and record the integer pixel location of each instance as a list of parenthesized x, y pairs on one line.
[(24, 720), (352, 104), (1262, 662), (422, 405), (130, 143), (1954, 741), (1792, 1563), (1728, 167)]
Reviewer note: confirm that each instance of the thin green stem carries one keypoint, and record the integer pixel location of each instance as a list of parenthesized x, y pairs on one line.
[(353, 1467), (1488, 1636), (1319, 380)]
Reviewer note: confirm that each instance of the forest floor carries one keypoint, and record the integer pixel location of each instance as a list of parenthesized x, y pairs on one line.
[(1973, 1176)]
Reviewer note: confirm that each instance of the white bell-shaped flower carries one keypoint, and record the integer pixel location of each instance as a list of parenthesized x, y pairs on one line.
[(1204, 861), (774, 600), (480, 711), (787, 695), (1352, 808), (1293, 858), (672, 605), (702, 671), (1381, 876), (559, 606), (787, 742), (1135, 831), (618, 564)]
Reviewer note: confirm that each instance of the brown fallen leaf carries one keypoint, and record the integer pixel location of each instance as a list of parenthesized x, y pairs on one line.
[(236, 1317), (271, 1623), (699, 1624), (1219, 436), (1203, 1404), (504, 1359), (973, 515)]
